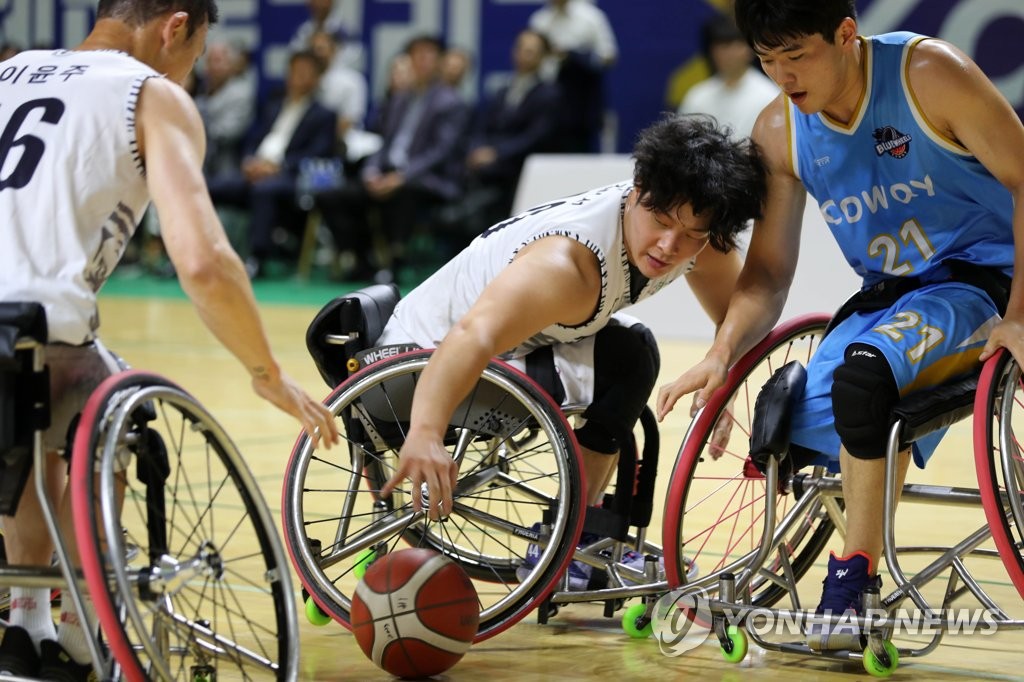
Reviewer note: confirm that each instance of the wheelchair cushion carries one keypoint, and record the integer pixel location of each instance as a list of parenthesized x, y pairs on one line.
[(19, 321), (769, 434), (364, 313), (923, 412)]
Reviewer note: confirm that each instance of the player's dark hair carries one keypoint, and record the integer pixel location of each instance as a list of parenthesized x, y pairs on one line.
[(138, 12), (770, 24), (690, 159)]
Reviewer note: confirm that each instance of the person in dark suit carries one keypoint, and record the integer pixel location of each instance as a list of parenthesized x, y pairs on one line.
[(585, 49), (519, 120), (417, 167), (290, 130)]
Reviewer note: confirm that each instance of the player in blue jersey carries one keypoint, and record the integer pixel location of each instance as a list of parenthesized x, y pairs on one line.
[(917, 164)]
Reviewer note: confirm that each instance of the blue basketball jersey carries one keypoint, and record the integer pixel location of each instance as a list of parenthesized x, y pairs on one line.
[(899, 197)]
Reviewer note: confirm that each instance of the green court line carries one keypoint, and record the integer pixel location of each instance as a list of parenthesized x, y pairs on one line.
[(272, 291), (133, 282)]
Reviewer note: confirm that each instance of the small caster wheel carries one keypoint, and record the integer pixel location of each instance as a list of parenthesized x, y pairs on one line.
[(635, 623), (876, 667), (734, 648), (363, 561), (203, 673), (316, 615)]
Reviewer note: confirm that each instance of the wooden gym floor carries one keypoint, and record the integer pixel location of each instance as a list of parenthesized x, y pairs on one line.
[(579, 643)]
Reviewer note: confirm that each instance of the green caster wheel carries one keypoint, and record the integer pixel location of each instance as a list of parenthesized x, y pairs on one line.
[(203, 673), (363, 561), (630, 625), (315, 615), (875, 667), (735, 649)]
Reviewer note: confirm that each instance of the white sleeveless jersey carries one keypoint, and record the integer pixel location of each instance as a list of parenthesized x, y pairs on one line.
[(593, 218), (72, 182)]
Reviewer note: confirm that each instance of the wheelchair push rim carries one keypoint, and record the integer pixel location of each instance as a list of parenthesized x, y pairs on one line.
[(179, 589), (518, 463)]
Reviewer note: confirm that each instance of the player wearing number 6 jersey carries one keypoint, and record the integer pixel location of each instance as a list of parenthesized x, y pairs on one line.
[(917, 164), (87, 137)]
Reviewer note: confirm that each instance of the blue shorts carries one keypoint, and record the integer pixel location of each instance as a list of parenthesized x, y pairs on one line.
[(929, 336)]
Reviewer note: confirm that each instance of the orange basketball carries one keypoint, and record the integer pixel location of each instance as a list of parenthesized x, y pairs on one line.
[(415, 613)]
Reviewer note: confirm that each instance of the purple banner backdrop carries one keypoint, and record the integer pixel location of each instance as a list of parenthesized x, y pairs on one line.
[(656, 37)]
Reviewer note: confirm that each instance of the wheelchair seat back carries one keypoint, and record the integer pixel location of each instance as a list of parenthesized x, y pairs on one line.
[(24, 396), (347, 325)]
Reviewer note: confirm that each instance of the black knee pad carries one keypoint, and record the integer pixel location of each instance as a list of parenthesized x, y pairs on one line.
[(864, 393), (626, 366)]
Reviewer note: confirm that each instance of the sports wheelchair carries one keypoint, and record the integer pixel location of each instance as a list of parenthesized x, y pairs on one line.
[(519, 484), (178, 550), (755, 534)]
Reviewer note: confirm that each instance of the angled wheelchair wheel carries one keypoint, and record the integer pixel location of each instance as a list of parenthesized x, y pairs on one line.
[(999, 459), (518, 468), (181, 556), (715, 509)]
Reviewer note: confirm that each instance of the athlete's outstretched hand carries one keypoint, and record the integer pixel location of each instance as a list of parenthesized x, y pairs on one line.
[(704, 378), (423, 459), (285, 394)]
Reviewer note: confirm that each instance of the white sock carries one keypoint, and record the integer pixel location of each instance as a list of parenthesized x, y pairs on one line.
[(70, 633), (30, 609)]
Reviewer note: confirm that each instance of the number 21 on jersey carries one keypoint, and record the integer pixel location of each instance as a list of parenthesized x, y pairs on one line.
[(887, 247)]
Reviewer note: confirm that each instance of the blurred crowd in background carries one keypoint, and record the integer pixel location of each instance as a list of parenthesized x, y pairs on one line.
[(321, 175)]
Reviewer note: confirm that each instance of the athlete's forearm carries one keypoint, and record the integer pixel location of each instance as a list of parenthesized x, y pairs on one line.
[(224, 300), (453, 370), (1015, 308), (753, 312)]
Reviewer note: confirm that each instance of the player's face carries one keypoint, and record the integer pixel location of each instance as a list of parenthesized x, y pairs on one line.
[(658, 243), (807, 70)]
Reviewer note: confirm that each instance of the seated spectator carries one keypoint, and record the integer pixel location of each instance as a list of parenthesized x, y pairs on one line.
[(455, 66), (736, 92), (415, 170), (584, 46), (342, 88), (400, 79), (323, 18), (226, 100), (289, 131), (517, 121)]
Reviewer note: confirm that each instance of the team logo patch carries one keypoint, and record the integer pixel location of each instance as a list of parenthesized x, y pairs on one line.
[(891, 141)]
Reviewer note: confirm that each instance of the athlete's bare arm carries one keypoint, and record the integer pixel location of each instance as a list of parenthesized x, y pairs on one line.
[(713, 281), (963, 105), (554, 280), (767, 272), (171, 139)]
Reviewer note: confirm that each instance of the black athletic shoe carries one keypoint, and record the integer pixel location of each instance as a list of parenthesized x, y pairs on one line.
[(57, 664), (18, 653)]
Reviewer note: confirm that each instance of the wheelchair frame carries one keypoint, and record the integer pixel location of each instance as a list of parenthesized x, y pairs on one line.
[(916, 416), (745, 584), (121, 644), (338, 326)]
